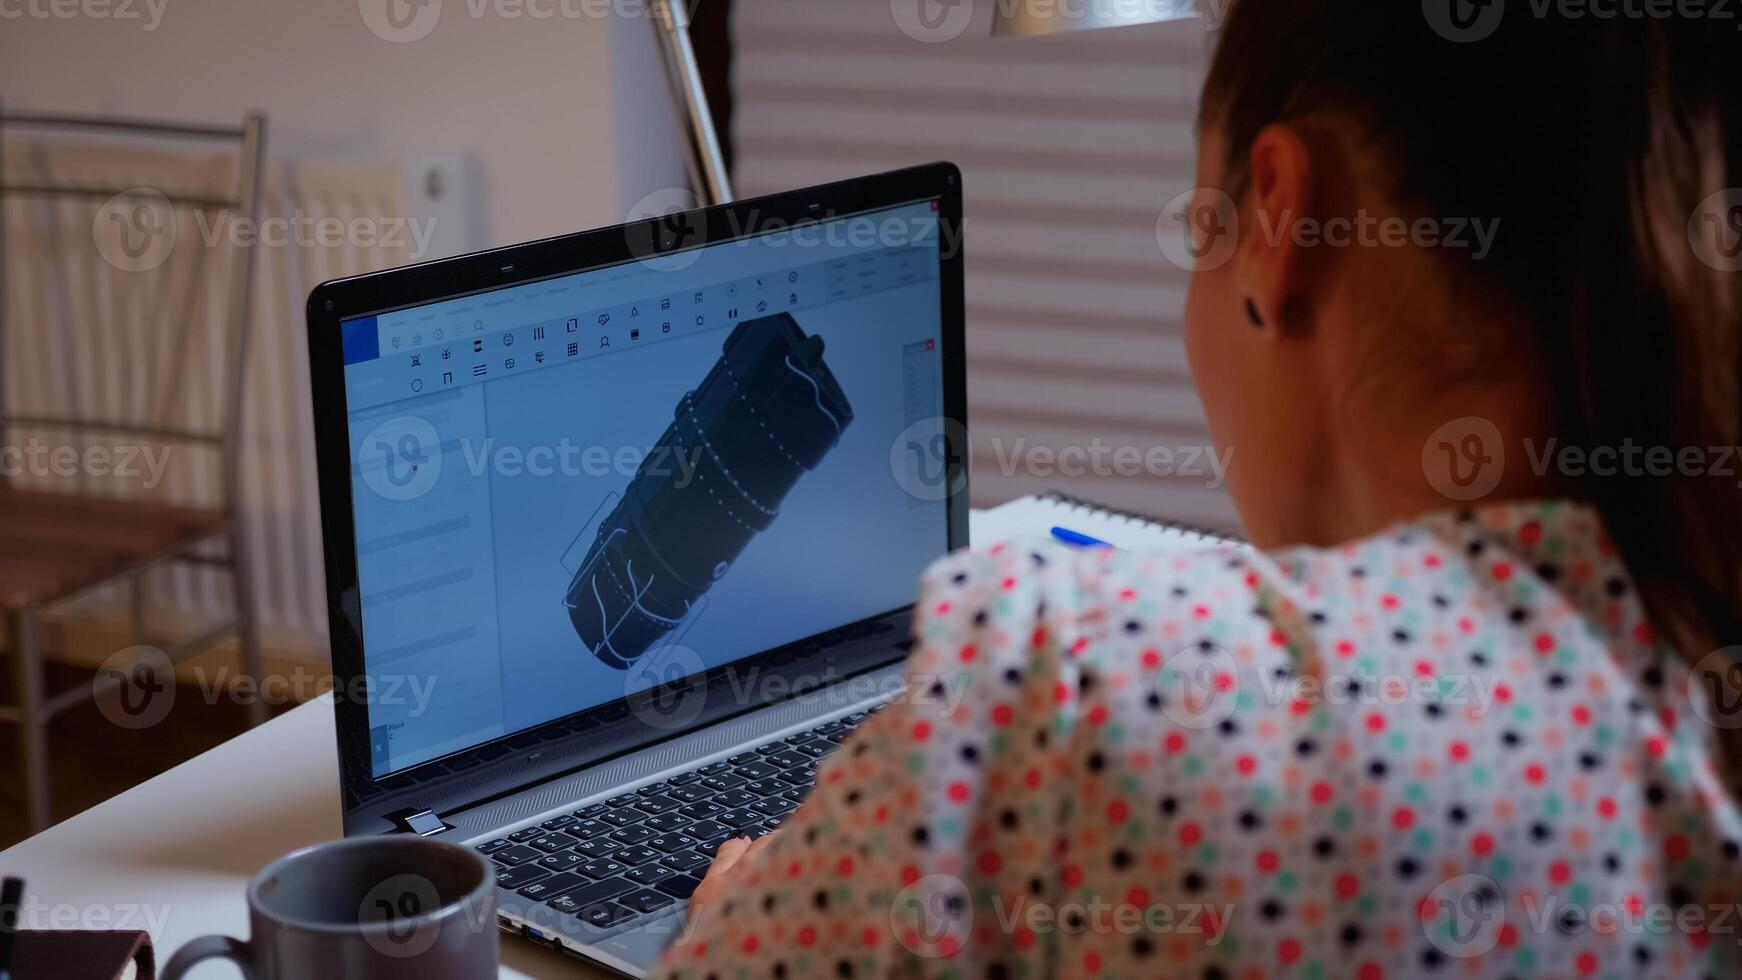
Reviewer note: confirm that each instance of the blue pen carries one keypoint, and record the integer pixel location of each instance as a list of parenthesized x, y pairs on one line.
[(1078, 538)]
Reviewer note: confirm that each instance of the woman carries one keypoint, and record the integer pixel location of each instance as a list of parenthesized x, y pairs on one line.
[(1450, 716)]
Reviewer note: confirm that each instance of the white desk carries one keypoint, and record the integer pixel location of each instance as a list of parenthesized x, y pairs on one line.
[(173, 855)]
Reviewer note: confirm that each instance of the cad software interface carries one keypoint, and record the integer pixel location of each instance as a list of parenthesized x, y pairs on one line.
[(568, 491)]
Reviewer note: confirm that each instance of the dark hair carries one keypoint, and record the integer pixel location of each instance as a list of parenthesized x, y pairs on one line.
[(1595, 142)]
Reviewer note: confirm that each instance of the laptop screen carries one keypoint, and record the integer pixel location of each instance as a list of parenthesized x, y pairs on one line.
[(572, 490)]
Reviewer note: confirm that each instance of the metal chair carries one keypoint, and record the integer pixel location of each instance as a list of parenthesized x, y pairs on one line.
[(57, 545)]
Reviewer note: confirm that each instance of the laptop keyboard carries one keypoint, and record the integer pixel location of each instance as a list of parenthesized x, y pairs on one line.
[(646, 850)]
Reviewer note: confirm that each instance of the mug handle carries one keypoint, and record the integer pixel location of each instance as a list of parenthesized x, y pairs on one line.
[(209, 947)]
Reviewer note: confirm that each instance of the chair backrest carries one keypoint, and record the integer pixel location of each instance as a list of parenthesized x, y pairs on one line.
[(126, 270)]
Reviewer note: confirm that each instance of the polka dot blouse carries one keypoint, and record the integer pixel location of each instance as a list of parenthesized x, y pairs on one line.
[(1452, 749)]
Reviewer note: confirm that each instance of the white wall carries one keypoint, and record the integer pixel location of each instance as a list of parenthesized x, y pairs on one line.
[(554, 115)]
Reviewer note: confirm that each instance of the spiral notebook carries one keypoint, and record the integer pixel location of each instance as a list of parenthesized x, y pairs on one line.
[(1036, 516)]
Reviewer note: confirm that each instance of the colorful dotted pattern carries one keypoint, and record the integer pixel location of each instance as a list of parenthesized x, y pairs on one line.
[(1450, 749)]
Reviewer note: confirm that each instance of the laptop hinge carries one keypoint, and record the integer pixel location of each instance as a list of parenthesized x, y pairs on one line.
[(423, 823)]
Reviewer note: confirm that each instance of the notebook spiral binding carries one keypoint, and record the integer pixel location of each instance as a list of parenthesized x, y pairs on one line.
[(1079, 503)]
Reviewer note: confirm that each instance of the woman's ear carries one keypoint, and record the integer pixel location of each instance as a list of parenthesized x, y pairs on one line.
[(1279, 208)]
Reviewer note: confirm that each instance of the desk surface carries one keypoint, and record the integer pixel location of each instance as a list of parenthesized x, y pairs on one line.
[(173, 854)]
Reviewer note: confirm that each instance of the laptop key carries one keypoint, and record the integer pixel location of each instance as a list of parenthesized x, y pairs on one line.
[(656, 804), (635, 856), (591, 810), (553, 886), (769, 748), (684, 779), (680, 887), (587, 828), (566, 861), (600, 847), (604, 915), (685, 861), (667, 843), (598, 891), (800, 775), (711, 848), (518, 854), (526, 874), (740, 818), (649, 874), (646, 900), (786, 760), (797, 793), (492, 846), (795, 739), (623, 817), (838, 737), (773, 823), (622, 800), (602, 868), (559, 822), (706, 829), (665, 823), (552, 843), (702, 810), (766, 787), (737, 798), (775, 807), (723, 782), (690, 794), (631, 835), (742, 758), (522, 836), (816, 749), (756, 770), (651, 789)]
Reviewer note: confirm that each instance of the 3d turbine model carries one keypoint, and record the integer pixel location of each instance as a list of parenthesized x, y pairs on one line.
[(766, 414)]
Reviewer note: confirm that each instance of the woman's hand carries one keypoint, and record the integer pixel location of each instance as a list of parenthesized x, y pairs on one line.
[(717, 883)]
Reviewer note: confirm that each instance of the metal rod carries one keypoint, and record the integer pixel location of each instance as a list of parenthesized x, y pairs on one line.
[(50, 190), (57, 424), (713, 185), (125, 126), (33, 714), (4, 298)]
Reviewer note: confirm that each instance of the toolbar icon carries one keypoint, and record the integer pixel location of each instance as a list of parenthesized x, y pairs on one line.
[(537, 333), (574, 324), (635, 334), (573, 349), (479, 370)]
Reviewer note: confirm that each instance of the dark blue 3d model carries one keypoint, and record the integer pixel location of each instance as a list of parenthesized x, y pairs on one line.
[(766, 414)]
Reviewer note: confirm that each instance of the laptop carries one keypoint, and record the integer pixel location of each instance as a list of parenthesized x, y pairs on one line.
[(622, 532)]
